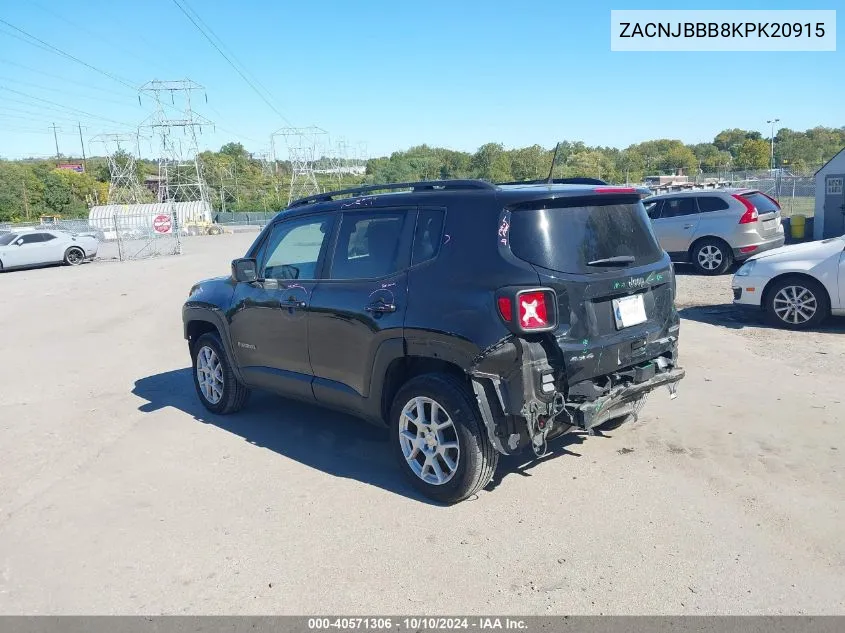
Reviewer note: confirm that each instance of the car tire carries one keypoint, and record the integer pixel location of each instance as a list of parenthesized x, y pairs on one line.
[(712, 257), (74, 256), (459, 452), (218, 388), (811, 307)]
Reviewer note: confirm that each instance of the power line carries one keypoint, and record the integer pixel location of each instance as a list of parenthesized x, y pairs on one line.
[(231, 63), (129, 102), (229, 51), (83, 112), (100, 36), (47, 115), (67, 55), (64, 79)]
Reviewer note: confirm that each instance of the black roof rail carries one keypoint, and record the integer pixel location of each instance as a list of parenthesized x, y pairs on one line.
[(423, 185), (557, 181)]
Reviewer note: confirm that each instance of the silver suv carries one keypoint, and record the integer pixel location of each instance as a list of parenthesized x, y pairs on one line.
[(711, 229)]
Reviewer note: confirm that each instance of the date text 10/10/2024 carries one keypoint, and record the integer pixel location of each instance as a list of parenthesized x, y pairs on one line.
[(416, 623)]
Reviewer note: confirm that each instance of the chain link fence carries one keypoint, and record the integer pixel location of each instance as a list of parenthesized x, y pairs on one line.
[(796, 193), (122, 237)]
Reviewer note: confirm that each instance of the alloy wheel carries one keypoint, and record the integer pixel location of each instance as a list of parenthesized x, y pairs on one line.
[(795, 305), (710, 257), (210, 374), (429, 441)]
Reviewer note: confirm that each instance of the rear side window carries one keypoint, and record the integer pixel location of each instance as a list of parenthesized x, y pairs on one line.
[(368, 245), (761, 202), (676, 207), (567, 239), (711, 203), (428, 235)]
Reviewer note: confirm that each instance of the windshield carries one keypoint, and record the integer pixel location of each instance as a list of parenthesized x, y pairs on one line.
[(5, 240), (584, 239)]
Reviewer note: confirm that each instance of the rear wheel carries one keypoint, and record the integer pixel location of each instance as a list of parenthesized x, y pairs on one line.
[(74, 256), (439, 438), (712, 257), (796, 303), (218, 388)]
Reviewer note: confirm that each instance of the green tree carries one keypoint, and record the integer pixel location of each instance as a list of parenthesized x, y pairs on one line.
[(530, 163), (753, 154)]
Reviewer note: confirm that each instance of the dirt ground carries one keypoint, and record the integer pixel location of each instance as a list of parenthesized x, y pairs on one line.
[(120, 494)]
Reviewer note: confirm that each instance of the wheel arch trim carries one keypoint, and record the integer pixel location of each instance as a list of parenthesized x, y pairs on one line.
[(191, 314)]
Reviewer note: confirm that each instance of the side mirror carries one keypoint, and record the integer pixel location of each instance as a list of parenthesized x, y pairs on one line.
[(244, 270), (19, 242)]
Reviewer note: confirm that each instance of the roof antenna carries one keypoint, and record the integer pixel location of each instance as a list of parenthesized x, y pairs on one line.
[(554, 160)]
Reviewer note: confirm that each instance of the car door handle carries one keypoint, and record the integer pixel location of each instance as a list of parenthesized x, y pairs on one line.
[(381, 308), (292, 303), (687, 226)]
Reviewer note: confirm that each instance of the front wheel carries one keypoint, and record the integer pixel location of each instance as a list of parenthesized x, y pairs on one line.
[(74, 256), (439, 438), (218, 388), (796, 303)]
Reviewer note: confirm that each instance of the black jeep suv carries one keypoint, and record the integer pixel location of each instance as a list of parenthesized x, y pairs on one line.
[(472, 319)]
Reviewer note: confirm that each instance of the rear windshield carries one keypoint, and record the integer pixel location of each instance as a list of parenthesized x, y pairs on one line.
[(761, 202), (567, 239)]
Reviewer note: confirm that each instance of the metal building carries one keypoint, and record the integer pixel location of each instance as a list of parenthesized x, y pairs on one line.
[(112, 217), (830, 198)]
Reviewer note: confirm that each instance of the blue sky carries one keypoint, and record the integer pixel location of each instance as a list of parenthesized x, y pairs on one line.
[(453, 73)]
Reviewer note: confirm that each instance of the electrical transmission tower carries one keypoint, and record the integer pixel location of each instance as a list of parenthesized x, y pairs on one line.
[(121, 150), (179, 169), (302, 144)]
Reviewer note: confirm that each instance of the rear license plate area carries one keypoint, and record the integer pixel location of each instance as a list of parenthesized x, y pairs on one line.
[(628, 311)]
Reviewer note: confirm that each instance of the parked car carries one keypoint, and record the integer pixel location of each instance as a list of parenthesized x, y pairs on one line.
[(25, 249), (712, 229), (472, 319), (797, 286)]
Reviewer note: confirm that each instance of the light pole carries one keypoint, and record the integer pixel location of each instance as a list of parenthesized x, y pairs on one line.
[(773, 121)]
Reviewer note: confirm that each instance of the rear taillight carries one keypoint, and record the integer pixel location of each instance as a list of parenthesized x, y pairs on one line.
[(527, 310), (505, 308), (750, 214), (531, 310)]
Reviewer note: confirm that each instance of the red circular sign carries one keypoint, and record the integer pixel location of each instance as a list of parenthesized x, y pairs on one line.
[(161, 224)]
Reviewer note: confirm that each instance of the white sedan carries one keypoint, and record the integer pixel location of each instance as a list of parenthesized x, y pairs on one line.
[(27, 249), (797, 286)]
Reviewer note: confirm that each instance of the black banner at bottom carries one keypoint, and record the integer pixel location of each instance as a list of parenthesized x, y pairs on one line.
[(401, 623)]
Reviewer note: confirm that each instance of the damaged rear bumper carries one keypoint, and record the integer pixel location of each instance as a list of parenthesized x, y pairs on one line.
[(525, 399), (622, 400)]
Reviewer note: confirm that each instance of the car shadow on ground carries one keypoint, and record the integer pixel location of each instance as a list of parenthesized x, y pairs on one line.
[(335, 443), (729, 316)]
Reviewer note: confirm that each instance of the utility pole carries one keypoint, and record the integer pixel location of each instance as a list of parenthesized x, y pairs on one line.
[(773, 121), (56, 138), (84, 160), (25, 200)]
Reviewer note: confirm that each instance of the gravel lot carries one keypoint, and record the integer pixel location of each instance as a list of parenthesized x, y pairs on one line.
[(119, 494)]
